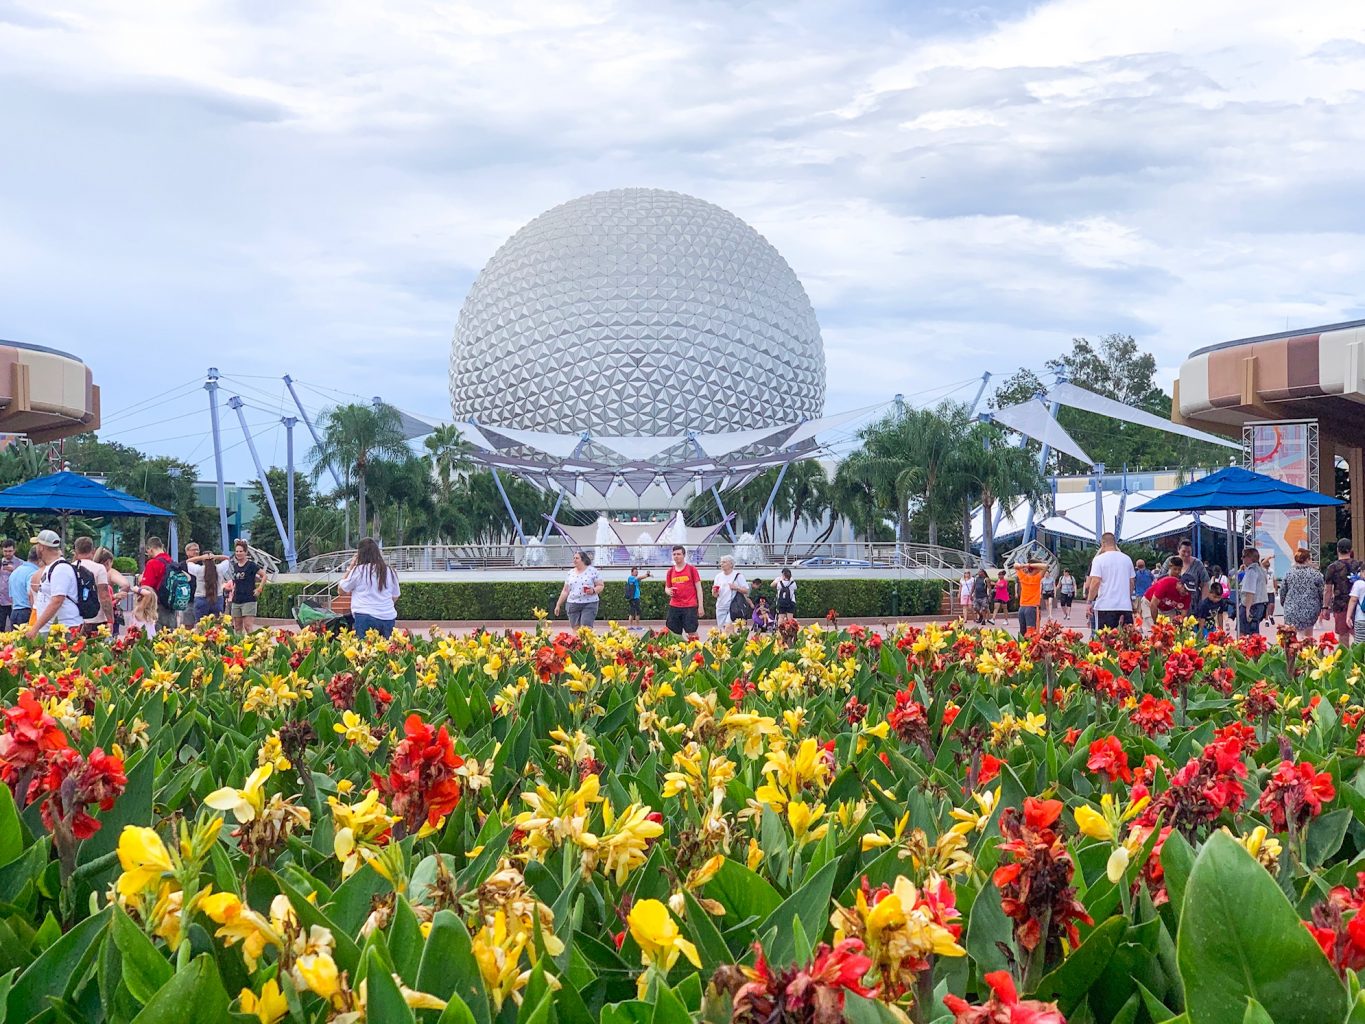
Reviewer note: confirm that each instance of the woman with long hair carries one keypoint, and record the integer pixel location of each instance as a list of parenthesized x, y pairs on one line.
[(373, 587), (119, 587), (208, 600)]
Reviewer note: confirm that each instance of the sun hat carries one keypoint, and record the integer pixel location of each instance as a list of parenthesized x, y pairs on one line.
[(47, 539)]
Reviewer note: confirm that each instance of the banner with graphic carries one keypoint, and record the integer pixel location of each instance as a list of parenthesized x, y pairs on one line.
[(1282, 451)]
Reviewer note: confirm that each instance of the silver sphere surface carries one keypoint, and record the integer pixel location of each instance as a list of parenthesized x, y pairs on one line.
[(637, 312)]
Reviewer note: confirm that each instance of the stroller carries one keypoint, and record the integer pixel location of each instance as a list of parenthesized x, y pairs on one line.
[(321, 605)]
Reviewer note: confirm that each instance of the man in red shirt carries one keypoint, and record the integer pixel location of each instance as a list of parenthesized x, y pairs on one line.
[(153, 575), (682, 584), (1169, 594)]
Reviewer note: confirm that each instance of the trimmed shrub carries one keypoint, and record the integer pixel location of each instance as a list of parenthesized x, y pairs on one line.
[(470, 601)]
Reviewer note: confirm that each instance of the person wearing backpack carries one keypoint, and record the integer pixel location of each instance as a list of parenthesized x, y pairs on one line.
[(173, 586), (1339, 580), (785, 588), (730, 591), (84, 550), (57, 591)]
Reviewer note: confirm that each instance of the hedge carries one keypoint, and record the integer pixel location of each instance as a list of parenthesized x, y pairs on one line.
[(468, 601)]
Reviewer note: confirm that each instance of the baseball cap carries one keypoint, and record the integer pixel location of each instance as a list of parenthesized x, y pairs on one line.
[(47, 539)]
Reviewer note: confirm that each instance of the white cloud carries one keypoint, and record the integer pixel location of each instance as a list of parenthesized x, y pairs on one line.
[(312, 187)]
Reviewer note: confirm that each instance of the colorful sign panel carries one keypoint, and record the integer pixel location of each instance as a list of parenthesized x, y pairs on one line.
[(1281, 451)]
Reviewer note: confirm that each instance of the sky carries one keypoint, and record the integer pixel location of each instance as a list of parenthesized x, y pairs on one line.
[(310, 188)]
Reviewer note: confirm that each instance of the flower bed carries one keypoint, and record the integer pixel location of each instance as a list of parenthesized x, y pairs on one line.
[(934, 825)]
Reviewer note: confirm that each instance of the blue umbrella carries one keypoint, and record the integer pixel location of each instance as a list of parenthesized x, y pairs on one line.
[(1236, 488), (72, 494)]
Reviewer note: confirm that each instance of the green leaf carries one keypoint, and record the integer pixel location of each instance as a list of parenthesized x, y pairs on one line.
[(1177, 861), (1240, 939), (1069, 983), (669, 1009), (711, 948), (742, 893), (405, 940), (1255, 1014), (49, 975), (383, 1000), (858, 1010), (11, 832), (808, 907), (144, 970), (194, 995), (456, 1012), (987, 929), (1325, 836), (447, 968)]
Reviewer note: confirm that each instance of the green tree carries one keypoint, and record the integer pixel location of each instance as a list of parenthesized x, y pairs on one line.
[(998, 473), (401, 493), (450, 456), (354, 437), (1116, 368)]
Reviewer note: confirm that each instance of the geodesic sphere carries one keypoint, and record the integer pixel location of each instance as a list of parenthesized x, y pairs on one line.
[(637, 311)]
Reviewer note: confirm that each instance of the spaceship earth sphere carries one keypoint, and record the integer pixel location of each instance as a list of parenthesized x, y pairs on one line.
[(637, 311)]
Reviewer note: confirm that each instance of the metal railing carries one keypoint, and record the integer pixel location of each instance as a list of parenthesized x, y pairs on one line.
[(558, 553)]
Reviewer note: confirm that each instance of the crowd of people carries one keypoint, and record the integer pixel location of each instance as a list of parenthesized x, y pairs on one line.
[(1119, 590), (84, 591), (735, 599)]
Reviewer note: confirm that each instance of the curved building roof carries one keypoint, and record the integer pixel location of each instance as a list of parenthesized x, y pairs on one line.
[(1314, 373), (44, 393)]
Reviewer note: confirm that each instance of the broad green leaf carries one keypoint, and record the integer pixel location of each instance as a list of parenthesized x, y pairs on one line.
[(1255, 1014), (11, 832), (143, 970), (194, 996), (1325, 835), (987, 929), (1177, 860), (456, 1012), (711, 948), (669, 1009), (383, 1000), (49, 975), (1240, 939), (742, 893), (448, 968), (808, 907), (1069, 983)]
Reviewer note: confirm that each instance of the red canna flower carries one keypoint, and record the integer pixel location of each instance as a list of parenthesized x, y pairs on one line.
[(1153, 715), (1107, 756), (990, 768), (1004, 1006), (813, 994), (549, 661), (421, 785), (1295, 792), (72, 783), (1035, 885)]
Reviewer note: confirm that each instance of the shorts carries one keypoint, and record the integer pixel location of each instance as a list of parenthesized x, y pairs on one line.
[(1066, 599), (582, 613), (981, 604), (682, 621), (166, 618), (634, 603), (786, 607), (1028, 618), (245, 610), (1360, 630), (1110, 619)]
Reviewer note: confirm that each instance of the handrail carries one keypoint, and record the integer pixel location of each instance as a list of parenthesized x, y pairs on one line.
[(558, 553)]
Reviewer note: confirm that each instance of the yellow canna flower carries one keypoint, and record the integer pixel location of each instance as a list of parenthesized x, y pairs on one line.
[(1093, 824), (269, 1006), (1118, 864), (968, 821), (803, 818), (144, 859), (656, 933), (318, 971), (755, 855), (245, 804)]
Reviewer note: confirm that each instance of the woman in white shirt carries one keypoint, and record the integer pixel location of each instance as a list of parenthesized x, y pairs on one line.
[(373, 587), (728, 582), (1355, 612), (581, 591)]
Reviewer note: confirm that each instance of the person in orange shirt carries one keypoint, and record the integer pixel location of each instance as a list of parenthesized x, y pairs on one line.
[(1030, 576)]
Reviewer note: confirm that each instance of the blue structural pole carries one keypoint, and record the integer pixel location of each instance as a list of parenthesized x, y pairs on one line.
[(1099, 500), (290, 423), (1123, 502), (211, 386), (985, 379), (507, 504), (583, 439), (312, 431), (235, 404), (715, 491), (772, 495), (1042, 464)]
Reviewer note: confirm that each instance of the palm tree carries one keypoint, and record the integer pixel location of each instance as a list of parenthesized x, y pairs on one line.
[(987, 467), (450, 455), (354, 436), (807, 490), (904, 456)]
